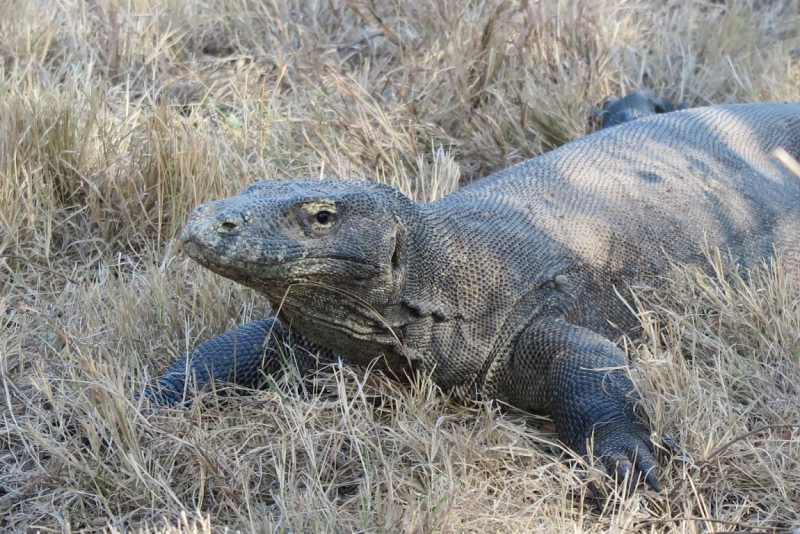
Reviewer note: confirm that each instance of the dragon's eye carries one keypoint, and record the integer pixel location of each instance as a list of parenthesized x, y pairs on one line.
[(323, 217), (318, 216)]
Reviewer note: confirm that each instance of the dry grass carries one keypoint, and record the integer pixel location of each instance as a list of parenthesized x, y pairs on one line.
[(116, 118)]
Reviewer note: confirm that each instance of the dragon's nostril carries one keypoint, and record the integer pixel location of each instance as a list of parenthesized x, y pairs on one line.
[(229, 222)]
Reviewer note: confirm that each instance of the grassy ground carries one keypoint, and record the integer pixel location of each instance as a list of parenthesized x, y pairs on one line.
[(118, 117)]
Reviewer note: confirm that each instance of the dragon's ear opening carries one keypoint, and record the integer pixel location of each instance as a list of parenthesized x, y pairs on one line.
[(399, 252)]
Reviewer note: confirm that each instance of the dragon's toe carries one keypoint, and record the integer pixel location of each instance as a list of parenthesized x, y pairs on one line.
[(625, 450)]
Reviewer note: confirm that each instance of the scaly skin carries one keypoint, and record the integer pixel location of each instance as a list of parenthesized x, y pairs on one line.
[(508, 288)]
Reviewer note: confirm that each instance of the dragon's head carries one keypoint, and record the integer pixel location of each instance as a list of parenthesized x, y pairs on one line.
[(275, 234)]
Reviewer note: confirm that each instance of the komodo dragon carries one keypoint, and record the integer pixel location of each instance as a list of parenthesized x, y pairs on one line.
[(508, 288), (634, 106)]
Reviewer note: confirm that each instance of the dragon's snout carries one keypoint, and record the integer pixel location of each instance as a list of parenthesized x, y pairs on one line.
[(213, 220)]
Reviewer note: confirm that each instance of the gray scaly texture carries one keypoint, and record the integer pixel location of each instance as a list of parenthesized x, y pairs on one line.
[(507, 288)]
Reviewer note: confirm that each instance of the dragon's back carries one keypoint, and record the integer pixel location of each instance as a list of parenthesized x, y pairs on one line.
[(618, 207), (670, 183)]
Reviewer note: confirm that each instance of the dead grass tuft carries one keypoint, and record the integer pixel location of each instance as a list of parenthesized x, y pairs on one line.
[(117, 118), (719, 367)]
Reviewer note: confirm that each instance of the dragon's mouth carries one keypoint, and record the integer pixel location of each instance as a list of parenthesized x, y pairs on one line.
[(253, 260)]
